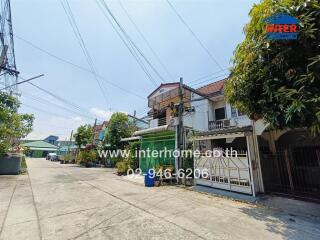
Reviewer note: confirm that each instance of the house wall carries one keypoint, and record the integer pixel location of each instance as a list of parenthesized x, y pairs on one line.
[(198, 119), (239, 121)]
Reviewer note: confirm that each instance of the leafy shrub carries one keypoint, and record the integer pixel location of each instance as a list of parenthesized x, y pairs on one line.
[(13, 125), (86, 157), (122, 167), (132, 160)]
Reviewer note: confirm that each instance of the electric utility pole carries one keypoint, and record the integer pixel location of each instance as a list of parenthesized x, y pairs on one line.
[(180, 124), (94, 130), (71, 135)]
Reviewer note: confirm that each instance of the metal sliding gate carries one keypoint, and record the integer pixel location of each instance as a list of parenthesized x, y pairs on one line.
[(293, 171), (227, 173)]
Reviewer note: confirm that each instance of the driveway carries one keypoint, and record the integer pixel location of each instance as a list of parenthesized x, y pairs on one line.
[(68, 202)]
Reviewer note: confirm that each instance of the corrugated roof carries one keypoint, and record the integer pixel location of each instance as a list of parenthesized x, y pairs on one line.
[(225, 131), (164, 84), (177, 84), (213, 87), (39, 144)]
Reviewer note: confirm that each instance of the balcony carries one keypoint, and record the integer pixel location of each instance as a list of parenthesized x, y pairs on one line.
[(157, 122), (240, 121), (218, 124)]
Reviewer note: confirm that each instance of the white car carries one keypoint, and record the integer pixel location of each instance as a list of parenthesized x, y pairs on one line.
[(52, 157)]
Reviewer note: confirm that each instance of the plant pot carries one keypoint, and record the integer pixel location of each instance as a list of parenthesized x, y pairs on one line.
[(10, 165), (157, 183), (89, 164)]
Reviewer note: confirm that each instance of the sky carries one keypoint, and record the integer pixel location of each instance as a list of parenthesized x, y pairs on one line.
[(217, 23)]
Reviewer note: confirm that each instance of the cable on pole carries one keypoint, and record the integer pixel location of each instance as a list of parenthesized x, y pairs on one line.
[(82, 44), (145, 40), (76, 66), (41, 100), (194, 35), (24, 81), (130, 41), (58, 97)]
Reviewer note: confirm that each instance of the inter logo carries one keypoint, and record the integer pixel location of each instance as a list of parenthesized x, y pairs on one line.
[(281, 27)]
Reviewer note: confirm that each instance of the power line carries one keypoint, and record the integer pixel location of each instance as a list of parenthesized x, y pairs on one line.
[(41, 100), (50, 113), (44, 111), (76, 66), (82, 44), (129, 46), (205, 77), (144, 39), (210, 79), (24, 81), (58, 97), (105, 5), (194, 35)]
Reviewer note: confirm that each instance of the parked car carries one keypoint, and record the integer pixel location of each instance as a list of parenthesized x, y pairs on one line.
[(52, 157)]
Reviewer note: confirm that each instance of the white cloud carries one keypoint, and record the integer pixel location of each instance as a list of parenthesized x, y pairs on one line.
[(100, 113)]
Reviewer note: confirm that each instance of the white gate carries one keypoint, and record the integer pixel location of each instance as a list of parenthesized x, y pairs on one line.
[(228, 173)]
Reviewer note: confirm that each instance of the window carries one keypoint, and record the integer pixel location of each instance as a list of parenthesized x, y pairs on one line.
[(234, 112), (220, 113)]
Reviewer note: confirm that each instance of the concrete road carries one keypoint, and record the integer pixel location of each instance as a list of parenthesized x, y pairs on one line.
[(67, 202)]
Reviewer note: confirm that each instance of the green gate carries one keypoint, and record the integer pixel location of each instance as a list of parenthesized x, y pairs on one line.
[(157, 141)]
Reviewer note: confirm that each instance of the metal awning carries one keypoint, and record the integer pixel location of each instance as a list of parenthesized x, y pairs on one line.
[(153, 130), (224, 133), (130, 139), (43, 149), (219, 136)]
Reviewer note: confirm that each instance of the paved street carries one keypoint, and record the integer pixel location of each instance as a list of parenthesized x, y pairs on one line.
[(67, 202)]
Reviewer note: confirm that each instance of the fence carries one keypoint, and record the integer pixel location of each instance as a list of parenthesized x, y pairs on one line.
[(293, 171)]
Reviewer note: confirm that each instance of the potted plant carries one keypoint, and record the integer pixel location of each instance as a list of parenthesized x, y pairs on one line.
[(122, 168), (13, 127)]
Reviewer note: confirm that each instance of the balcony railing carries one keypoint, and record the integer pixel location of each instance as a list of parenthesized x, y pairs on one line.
[(162, 121), (240, 121), (157, 122), (216, 124)]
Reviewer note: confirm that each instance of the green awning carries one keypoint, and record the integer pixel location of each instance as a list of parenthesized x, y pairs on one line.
[(44, 149)]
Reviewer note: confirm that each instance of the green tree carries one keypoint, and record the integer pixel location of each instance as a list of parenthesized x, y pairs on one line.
[(118, 127), (13, 125), (84, 135), (279, 80)]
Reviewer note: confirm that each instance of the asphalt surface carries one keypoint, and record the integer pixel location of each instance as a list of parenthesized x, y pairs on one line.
[(58, 201)]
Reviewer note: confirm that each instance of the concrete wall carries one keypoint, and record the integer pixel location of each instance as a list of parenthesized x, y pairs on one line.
[(254, 158), (198, 120)]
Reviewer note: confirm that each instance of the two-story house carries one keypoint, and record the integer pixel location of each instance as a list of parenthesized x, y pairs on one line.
[(163, 120), (256, 158), (235, 135), (217, 126)]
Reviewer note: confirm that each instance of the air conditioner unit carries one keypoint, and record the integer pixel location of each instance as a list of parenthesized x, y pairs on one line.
[(174, 121), (229, 123), (226, 123)]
